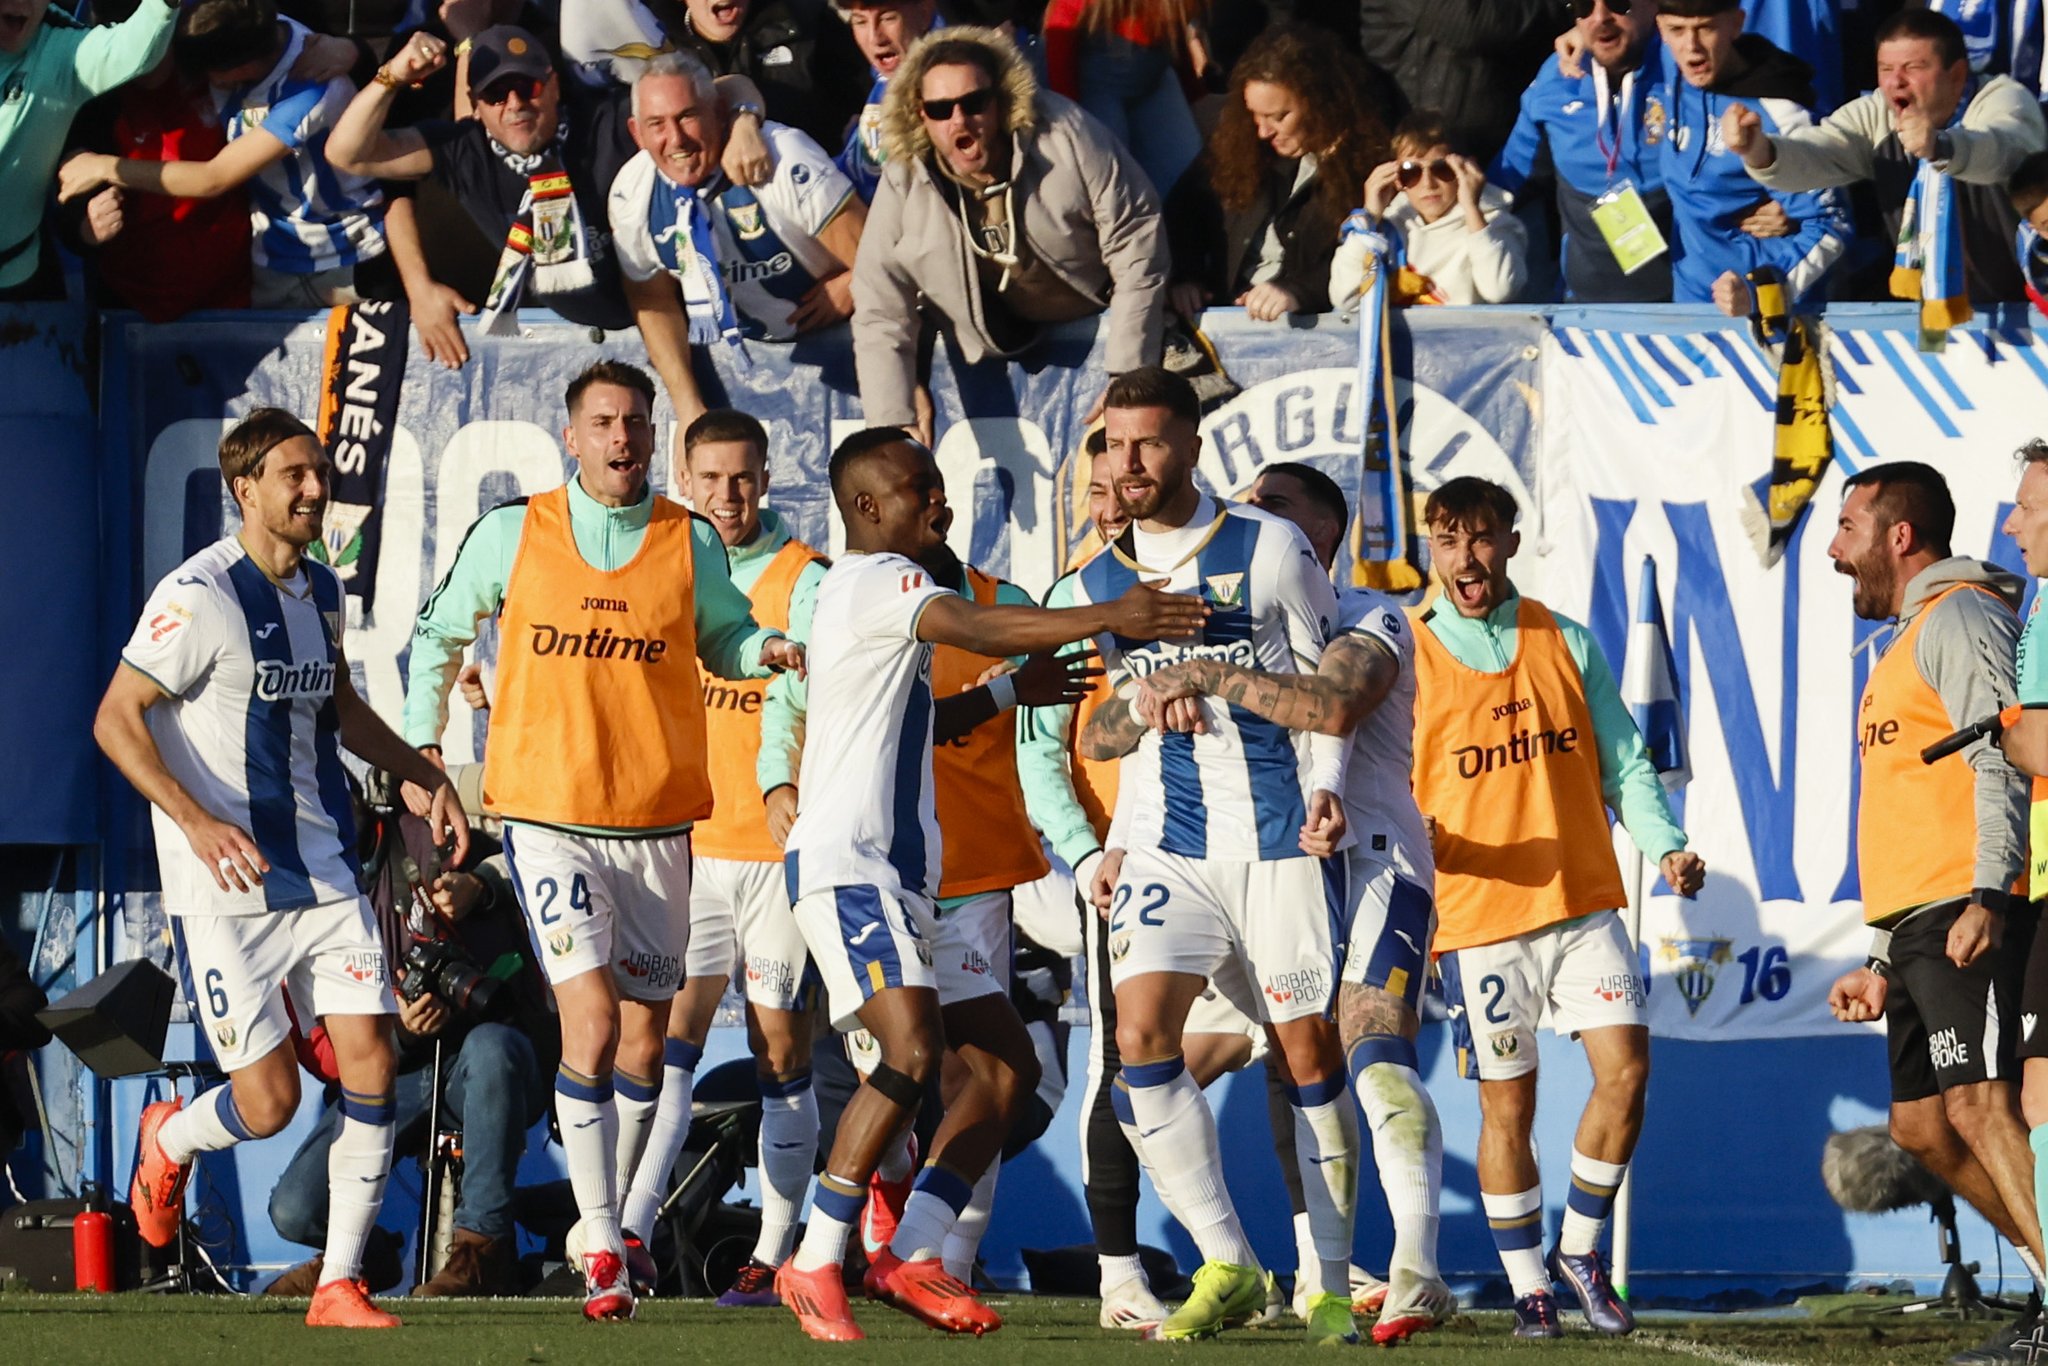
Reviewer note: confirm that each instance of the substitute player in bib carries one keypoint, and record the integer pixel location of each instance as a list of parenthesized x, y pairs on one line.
[(1941, 848), (227, 714), (1215, 881), (865, 853), (739, 905), (1392, 877), (2025, 742), (1522, 745), (607, 597)]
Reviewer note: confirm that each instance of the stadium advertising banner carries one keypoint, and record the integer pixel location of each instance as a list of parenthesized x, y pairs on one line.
[(1622, 435)]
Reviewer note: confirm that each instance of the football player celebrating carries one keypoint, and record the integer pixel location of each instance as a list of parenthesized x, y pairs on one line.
[(1522, 745), (608, 596), (1214, 880), (225, 713), (865, 853)]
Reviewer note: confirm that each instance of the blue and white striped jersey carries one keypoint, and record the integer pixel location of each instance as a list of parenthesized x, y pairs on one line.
[(1379, 777), (248, 726), (306, 215), (1240, 791)]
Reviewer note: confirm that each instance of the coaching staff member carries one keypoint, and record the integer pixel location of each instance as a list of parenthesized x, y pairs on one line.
[(1940, 848)]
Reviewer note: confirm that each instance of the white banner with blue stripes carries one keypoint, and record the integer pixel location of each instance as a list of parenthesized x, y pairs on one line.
[(1648, 436)]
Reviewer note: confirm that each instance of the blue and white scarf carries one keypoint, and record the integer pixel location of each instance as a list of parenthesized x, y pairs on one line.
[(680, 224), (1928, 266), (1382, 540)]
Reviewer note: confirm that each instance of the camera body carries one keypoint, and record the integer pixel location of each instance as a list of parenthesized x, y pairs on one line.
[(435, 963)]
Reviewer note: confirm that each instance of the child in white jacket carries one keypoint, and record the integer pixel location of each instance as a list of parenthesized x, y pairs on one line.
[(1462, 243)]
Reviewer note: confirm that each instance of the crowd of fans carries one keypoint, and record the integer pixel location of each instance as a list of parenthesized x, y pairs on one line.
[(719, 171)]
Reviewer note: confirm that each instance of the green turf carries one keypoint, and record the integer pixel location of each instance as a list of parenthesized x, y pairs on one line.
[(134, 1330)]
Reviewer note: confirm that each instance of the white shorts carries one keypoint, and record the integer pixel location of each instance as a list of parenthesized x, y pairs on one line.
[(1573, 976), (740, 917), (330, 958), (1266, 931), (864, 940), (1048, 911), (1387, 938), (593, 901), (971, 951)]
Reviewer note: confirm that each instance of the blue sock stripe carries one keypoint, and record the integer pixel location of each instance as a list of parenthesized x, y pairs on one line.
[(781, 1088), (682, 1053), (1316, 1092), (949, 1185), (1518, 1234), (231, 1114), (1374, 1048), (1154, 1073), (833, 1200), (630, 1087), (576, 1086), (1595, 1202), (1120, 1101), (368, 1109)]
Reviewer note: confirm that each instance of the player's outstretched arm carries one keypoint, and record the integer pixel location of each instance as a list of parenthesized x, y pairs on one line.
[(1141, 613), (1044, 680), (123, 735), (1355, 675), (366, 735)]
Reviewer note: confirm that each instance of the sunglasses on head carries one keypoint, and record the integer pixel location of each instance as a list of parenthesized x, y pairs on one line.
[(1583, 9), (528, 87), (1411, 173), (973, 103)]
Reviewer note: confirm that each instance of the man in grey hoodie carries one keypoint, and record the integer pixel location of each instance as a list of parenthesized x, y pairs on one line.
[(1003, 209), (1941, 848)]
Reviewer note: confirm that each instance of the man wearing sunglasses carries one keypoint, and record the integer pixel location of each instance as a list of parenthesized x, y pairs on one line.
[(1596, 128), (1003, 209)]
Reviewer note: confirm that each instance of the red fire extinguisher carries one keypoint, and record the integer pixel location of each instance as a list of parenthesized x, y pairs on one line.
[(92, 1250)]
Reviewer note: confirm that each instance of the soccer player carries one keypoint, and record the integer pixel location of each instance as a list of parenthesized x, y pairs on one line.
[(1941, 848), (1522, 744), (1215, 880), (864, 853), (225, 714), (989, 849), (607, 598), (2025, 742), (739, 904), (1392, 877)]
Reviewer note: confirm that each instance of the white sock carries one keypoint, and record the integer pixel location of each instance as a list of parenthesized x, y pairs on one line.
[(207, 1125), (357, 1167), (665, 1136), (1120, 1102), (1326, 1151), (936, 1199), (589, 1118), (1181, 1149), (637, 1100), (1308, 1271), (789, 1149), (1115, 1271), (963, 1240), (1587, 1206), (835, 1209), (1408, 1149), (899, 1158), (1517, 1224), (2033, 1267)]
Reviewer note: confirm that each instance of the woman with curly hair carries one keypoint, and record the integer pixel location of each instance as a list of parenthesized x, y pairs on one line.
[(1255, 222)]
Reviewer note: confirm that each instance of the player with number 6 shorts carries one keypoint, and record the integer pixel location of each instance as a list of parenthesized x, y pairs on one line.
[(607, 598), (227, 713), (1522, 745), (864, 861)]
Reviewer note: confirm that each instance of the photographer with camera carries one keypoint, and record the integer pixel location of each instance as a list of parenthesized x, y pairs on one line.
[(473, 1012)]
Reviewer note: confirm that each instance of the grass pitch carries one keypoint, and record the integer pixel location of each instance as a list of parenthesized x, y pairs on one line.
[(134, 1330)]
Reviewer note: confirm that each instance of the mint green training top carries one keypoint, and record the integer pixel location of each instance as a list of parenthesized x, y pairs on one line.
[(729, 641), (1628, 780), (62, 68)]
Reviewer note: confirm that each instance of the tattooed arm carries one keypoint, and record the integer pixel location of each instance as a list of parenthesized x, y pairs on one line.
[(1114, 730), (1356, 673)]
